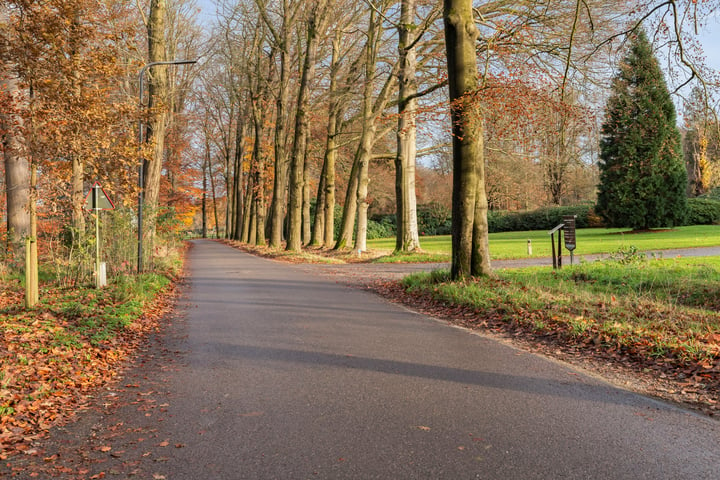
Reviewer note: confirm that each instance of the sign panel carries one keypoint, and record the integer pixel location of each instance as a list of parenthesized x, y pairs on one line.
[(97, 199), (569, 231)]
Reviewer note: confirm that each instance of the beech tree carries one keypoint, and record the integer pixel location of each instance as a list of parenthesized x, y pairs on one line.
[(409, 35), (158, 105), (470, 248), (642, 175)]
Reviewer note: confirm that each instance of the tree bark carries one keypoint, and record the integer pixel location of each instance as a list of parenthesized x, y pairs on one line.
[(470, 251), (247, 211), (78, 167), (214, 197), (238, 179), (257, 229), (17, 166), (306, 220), (318, 227), (347, 221)]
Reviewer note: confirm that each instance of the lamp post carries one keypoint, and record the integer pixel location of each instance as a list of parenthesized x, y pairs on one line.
[(141, 140)]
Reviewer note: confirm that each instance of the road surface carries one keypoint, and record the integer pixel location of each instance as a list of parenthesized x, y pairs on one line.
[(272, 372)]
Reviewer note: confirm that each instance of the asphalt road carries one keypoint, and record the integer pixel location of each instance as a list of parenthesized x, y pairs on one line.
[(273, 372)]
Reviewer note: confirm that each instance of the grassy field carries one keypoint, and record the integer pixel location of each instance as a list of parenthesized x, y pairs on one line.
[(510, 245)]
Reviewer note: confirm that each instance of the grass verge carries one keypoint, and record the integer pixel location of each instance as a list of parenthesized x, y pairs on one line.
[(661, 315)]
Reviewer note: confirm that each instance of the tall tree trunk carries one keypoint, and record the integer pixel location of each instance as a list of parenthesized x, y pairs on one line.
[(247, 211), (367, 137), (280, 181), (306, 221), (470, 251), (77, 197), (347, 221), (158, 104), (257, 230), (330, 157), (371, 112), (17, 166), (229, 195), (299, 149), (214, 198), (78, 167), (238, 179), (318, 227), (206, 161), (407, 238), (331, 146), (32, 289), (252, 239)]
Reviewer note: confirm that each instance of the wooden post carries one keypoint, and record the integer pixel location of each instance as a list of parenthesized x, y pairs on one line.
[(31, 257), (559, 249)]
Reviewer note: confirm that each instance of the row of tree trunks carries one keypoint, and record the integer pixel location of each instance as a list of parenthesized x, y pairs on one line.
[(298, 161), (356, 203), (324, 225), (281, 40)]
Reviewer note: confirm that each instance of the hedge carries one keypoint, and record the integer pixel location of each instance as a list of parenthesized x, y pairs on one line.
[(544, 218)]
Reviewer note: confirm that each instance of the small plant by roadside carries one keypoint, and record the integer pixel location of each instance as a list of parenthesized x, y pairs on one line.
[(628, 256)]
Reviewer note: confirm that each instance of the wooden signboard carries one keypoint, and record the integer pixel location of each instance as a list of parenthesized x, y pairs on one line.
[(569, 231)]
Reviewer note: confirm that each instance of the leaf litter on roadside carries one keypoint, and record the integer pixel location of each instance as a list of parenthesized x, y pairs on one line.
[(53, 357)]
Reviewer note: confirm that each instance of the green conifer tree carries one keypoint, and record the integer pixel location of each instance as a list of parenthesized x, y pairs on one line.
[(642, 174)]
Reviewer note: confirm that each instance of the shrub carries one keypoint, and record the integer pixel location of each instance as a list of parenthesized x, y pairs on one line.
[(381, 226), (434, 219), (703, 211)]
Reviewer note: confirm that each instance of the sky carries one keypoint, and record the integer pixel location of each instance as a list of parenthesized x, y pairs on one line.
[(710, 38)]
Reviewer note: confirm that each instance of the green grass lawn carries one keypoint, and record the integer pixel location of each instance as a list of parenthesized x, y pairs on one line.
[(508, 245)]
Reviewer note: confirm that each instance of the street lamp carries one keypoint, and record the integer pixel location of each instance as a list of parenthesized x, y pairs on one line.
[(141, 140)]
